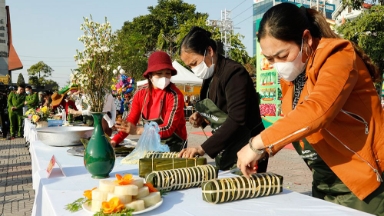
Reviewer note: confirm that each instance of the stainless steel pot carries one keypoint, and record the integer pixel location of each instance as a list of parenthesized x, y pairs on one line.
[(63, 136)]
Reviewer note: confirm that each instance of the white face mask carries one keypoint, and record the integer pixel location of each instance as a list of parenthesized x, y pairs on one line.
[(290, 70), (160, 83), (203, 71)]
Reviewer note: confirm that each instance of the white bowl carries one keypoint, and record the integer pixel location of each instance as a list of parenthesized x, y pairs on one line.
[(63, 136)]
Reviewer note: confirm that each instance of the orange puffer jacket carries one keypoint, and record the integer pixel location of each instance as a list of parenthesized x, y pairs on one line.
[(339, 113)]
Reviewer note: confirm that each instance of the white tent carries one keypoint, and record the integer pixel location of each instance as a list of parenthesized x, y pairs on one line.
[(183, 76), (141, 83)]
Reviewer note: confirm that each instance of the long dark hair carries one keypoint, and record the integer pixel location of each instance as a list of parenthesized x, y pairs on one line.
[(150, 85), (198, 40), (287, 22)]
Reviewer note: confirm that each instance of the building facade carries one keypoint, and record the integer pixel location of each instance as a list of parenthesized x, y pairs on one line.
[(327, 7), (259, 8)]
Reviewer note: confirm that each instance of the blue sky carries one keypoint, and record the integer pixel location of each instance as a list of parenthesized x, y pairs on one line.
[(47, 30)]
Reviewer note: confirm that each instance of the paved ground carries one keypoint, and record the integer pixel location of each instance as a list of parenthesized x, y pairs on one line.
[(17, 195)]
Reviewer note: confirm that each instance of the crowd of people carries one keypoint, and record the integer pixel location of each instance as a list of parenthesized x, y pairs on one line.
[(332, 112), (13, 104)]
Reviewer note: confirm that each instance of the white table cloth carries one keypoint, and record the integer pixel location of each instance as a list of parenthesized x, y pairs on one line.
[(30, 133), (41, 154), (52, 194), (58, 191)]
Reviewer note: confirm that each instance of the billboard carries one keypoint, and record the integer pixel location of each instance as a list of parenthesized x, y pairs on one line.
[(268, 87), (3, 40)]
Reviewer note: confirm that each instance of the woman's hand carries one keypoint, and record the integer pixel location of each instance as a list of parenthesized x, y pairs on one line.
[(191, 152), (196, 120), (71, 111), (247, 158), (74, 112), (113, 143), (128, 127), (139, 130)]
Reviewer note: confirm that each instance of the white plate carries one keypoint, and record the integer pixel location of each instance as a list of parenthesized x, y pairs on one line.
[(88, 208)]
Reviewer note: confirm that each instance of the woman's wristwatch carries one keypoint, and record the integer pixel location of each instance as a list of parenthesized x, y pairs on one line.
[(257, 151)]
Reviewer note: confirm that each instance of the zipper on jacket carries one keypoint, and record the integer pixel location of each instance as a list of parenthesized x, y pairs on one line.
[(358, 118), (378, 175), (284, 138)]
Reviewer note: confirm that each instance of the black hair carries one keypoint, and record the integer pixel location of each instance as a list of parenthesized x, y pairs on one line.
[(198, 40), (287, 22), (28, 87)]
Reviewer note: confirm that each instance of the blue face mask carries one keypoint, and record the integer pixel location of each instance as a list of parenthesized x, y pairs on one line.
[(27, 92)]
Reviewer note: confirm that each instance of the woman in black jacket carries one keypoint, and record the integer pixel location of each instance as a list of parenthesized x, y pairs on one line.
[(229, 102)]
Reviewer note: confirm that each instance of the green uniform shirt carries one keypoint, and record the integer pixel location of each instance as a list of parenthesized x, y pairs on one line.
[(32, 100), (16, 100)]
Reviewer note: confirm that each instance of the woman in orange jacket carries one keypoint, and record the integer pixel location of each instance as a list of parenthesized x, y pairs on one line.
[(332, 112)]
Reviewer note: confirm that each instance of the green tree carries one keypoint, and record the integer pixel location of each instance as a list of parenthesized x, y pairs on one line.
[(38, 73), (130, 53), (251, 66), (367, 31), (237, 51), (20, 79), (357, 4), (138, 38), (163, 29), (51, 84), (186, 27)]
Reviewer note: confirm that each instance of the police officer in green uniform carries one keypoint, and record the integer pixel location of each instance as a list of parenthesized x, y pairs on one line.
[(15, 109), (31, 98)]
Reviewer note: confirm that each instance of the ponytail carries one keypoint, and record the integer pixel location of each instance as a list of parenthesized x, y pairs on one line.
[(198, 40), (319, 24), (372, 68)]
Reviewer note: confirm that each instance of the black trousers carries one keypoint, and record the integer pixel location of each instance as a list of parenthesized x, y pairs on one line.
[(4, 123)]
